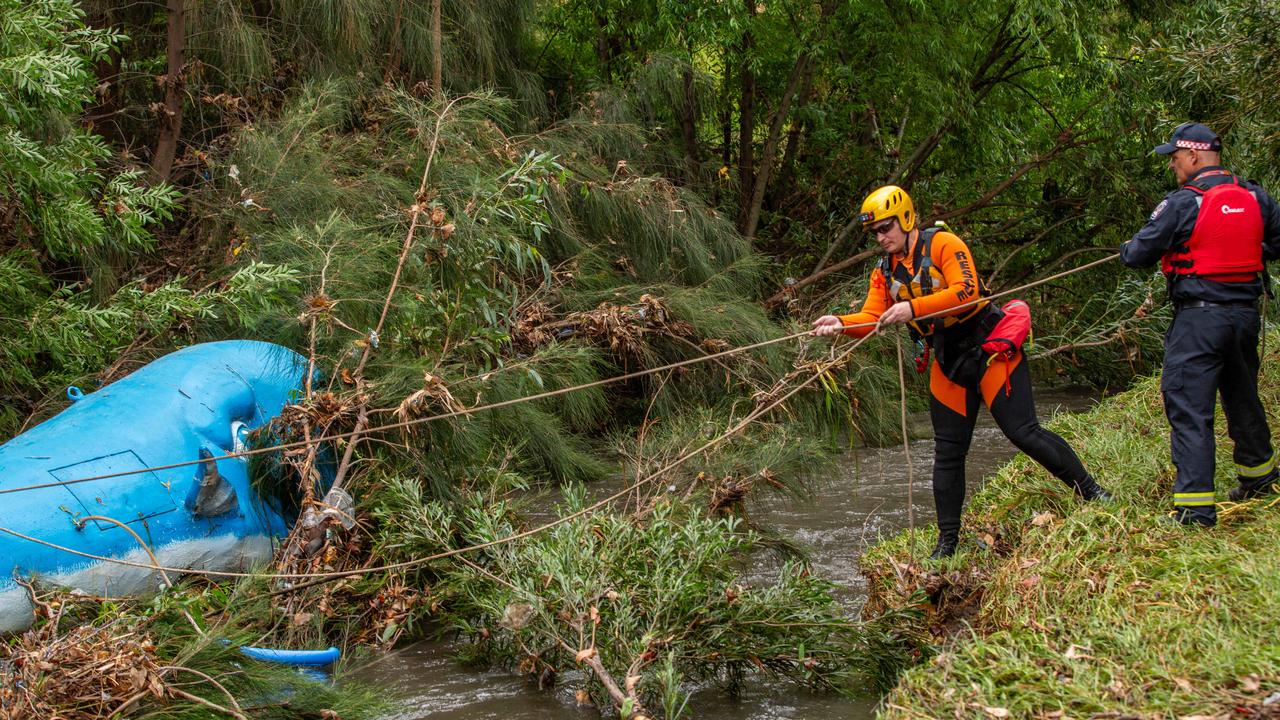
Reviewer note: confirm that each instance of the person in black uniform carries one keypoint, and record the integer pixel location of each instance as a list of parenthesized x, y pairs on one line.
[(1211, 236)]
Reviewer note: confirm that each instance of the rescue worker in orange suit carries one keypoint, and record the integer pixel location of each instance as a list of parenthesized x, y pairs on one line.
[(927, 271), (1211, 236)]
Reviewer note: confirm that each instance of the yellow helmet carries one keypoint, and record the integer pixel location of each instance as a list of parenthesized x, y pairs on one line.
[(889, 201)]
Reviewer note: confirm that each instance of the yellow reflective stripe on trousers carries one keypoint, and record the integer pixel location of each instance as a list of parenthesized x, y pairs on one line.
[(1257, 470), (1193, 499)]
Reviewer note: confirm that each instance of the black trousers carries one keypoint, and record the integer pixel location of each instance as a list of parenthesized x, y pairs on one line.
[(1015, 414), (1212, 351)]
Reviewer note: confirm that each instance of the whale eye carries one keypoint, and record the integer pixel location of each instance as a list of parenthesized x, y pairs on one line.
[(239, 436)]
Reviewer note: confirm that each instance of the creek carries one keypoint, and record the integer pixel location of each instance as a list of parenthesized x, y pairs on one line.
[(864, 499)]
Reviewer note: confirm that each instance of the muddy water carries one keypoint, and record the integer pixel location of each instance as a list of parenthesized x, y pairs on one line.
[(865, 499)]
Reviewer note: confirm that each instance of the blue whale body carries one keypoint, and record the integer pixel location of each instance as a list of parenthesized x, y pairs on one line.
[(198, 402)]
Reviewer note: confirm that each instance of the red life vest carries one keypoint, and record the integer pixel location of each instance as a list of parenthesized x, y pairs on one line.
[(1226, 242)]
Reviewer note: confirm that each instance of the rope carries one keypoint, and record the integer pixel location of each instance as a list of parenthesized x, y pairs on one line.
[(559, 521), (906, 450), (479, 546), (539, 396), (414, 421), (80, 523)]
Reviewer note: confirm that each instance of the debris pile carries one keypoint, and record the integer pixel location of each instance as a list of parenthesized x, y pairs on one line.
[(619, 327), (83, 672)]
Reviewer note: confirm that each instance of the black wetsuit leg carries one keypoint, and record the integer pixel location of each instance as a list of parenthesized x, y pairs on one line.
[(1015, 413), (952, 433)]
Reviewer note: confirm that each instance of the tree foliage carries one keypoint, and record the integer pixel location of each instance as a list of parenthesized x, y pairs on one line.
[(589, 188), (59, 193)]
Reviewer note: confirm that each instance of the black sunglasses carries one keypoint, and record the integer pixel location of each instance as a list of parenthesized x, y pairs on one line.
[(882, 228)]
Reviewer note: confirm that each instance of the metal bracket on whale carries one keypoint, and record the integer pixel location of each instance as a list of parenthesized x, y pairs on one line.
[(198, 402)]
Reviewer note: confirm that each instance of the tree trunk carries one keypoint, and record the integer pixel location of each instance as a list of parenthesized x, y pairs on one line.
[(726, 118), (795, 135), (746, 121), (688, 114), (792, 290), (905, 175), (171, 122), (726, 132), (101, 117), (751, 212), (771, 146), (602, 47), (437, 57)]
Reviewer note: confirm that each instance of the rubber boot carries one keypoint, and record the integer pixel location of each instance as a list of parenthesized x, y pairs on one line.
[(1250, 488), (1188, 517), (946, 547), (1090, 491)]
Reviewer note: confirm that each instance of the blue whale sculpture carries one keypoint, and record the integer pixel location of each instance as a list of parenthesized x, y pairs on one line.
[(198, 402)]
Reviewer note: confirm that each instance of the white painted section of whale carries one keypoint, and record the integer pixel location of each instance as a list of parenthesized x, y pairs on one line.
[(222, 552)]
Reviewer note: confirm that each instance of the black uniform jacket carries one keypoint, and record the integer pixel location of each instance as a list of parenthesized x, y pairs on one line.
[(1170, 225)]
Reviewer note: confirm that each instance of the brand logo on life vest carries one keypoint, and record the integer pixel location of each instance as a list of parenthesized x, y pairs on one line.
[(1228, 210)]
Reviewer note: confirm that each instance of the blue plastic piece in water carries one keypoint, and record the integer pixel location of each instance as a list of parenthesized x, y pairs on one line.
[(74, 394), (312, 658)]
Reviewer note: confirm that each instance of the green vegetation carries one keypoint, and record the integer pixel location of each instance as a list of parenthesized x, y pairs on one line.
[(658, 596), (445, 204), (1055, 607)]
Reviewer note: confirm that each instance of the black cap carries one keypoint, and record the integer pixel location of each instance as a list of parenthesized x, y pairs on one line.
[(1192, 136)]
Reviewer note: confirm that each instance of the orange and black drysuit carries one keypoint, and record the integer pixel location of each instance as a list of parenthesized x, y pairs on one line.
[(938, 274)]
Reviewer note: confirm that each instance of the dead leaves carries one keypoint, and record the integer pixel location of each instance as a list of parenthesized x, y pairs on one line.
[(729, 493), (516, 616), (325, 409), (84, 673), (1044, 518), (622, 328), (434, 394)]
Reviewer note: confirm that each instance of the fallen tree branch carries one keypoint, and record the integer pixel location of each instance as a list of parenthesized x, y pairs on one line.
[(207, 678), (1074, 346), (1066, 141), (1059, 260), (207, 703), (991, 279), (783, 294)]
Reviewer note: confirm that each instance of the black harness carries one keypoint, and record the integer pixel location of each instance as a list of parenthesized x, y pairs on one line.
[(958, 347)]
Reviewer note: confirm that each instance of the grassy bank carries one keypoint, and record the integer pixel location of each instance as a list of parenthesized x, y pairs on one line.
[(1056, 609)]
